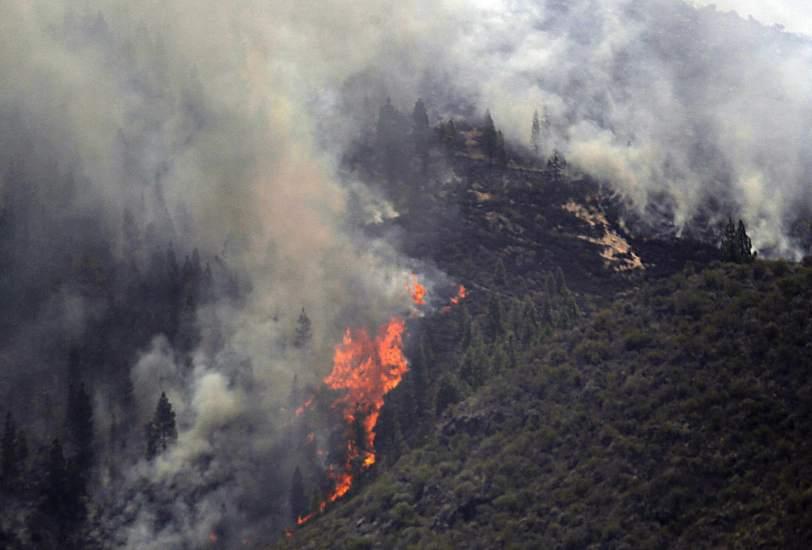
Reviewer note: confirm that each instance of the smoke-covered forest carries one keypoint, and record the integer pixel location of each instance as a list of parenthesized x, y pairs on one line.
[(526, 274)]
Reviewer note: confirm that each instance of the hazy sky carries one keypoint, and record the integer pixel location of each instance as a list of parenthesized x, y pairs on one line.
[(794, 15)]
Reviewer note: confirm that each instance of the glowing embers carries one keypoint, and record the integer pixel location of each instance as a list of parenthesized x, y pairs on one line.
[(301, 409), (417, 291), (461, 294)]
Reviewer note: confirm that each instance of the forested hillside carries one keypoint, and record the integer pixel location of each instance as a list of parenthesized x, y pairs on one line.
[(678, 415), (425, 274)]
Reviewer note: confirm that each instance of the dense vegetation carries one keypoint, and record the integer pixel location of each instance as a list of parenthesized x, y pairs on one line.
[(678, 415)]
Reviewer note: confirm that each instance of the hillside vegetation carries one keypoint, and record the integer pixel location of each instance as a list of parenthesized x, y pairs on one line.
[(677, 415)]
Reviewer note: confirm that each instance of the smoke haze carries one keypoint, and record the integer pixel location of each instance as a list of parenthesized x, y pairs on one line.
[(220, 127)]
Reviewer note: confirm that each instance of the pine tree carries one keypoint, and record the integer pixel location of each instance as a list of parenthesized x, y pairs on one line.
[(535, 133), (736, 245), (744, 244), (161, 432), (391, 131), (466, 327), (530, 321), (500, 359), (165, 422), (728, 247), (497, 317), (500, 274), (298, 500), (304, 331), (151, 436), (387, 430), (473, 367), (501, 151), (560, 281), (556, 166), (420, 133), (490, 138)]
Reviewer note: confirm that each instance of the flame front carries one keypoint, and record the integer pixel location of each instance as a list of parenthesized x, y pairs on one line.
[(366, 368)]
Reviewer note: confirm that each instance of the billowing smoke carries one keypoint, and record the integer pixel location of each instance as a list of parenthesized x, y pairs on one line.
[(219, 126), (144, 127), (678, 108)]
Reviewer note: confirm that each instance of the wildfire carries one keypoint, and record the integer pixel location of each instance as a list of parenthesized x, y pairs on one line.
[(417, 291), (301, 409), (366, 367), (462, 293), (301, 520)]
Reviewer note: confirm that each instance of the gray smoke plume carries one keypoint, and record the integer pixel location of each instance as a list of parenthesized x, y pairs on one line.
[(673, 106)]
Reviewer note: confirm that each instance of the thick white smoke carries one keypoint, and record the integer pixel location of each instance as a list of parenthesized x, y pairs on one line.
[(664, 101)]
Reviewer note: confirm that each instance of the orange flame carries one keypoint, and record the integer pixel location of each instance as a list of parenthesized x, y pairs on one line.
[(301, 409), (367, 368), (462, 293), (417, 291), (301, 520)]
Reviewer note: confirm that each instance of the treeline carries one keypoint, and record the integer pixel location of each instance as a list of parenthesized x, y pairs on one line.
[(406, 151)]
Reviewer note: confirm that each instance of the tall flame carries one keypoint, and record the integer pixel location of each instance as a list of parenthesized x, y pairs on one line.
[(367, 368)]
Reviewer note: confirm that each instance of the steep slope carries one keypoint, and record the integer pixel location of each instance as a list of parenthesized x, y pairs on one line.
[(677, 416)]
